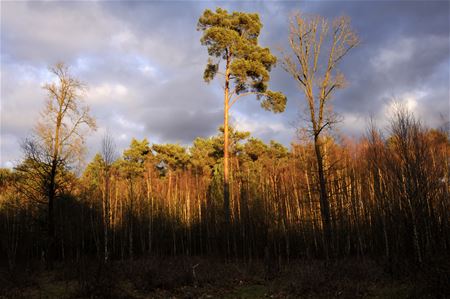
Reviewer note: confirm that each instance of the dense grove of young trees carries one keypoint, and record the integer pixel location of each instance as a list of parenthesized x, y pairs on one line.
[(389, 197), (385, 195)]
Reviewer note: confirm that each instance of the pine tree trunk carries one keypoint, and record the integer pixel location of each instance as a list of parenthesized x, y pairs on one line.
[(226, 183)]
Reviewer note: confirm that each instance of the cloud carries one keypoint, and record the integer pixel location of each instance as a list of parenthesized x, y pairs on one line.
[(421, 54), (261, 127), (143, 65)]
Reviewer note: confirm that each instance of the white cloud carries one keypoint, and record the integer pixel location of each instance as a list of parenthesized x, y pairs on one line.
[(128, 124), (148, 70), (353, 123), (10, 151), (123, 39), (393, 54), (410, 100), (263, 127), (107, 93)]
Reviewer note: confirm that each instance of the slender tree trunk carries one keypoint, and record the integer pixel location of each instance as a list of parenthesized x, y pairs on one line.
[(324, 204), (51, 217), (150, 220), (52, 193), (106, 215), (226, 183), (130, 223)]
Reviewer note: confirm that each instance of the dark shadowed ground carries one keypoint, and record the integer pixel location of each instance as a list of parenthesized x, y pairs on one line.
[(202, 278)]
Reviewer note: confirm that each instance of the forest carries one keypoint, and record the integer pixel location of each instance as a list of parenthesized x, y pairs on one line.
[(231, 215)]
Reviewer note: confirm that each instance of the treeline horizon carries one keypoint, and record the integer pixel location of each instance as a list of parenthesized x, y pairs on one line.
[(388, 199)]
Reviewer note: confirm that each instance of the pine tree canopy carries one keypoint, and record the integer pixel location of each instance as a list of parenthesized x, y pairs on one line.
[(234, 37)]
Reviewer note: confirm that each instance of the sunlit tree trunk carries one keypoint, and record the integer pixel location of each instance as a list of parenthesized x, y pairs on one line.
[(226, 175)]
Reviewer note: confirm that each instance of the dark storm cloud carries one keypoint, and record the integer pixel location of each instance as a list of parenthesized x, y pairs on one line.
[(404, 51), (143, 63), (181, 126), (42, 32), (403, 45)]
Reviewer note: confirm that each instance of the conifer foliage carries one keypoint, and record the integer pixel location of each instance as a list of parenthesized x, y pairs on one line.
[(232, 40)]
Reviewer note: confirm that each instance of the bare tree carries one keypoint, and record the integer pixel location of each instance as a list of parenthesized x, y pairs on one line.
[(109, 155), (410, 166), (59, 139), (317, 50)]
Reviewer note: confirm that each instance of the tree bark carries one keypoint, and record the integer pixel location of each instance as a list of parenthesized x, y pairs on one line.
[(52, 192), (226, 183), (324, 203)]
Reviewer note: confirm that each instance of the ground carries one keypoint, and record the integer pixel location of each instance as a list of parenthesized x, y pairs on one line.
[(211, 278)]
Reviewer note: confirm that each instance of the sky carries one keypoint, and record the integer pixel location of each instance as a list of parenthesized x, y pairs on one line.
[(143, 64)]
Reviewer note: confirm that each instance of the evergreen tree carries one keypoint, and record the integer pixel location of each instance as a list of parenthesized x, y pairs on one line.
[(233, 39)]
